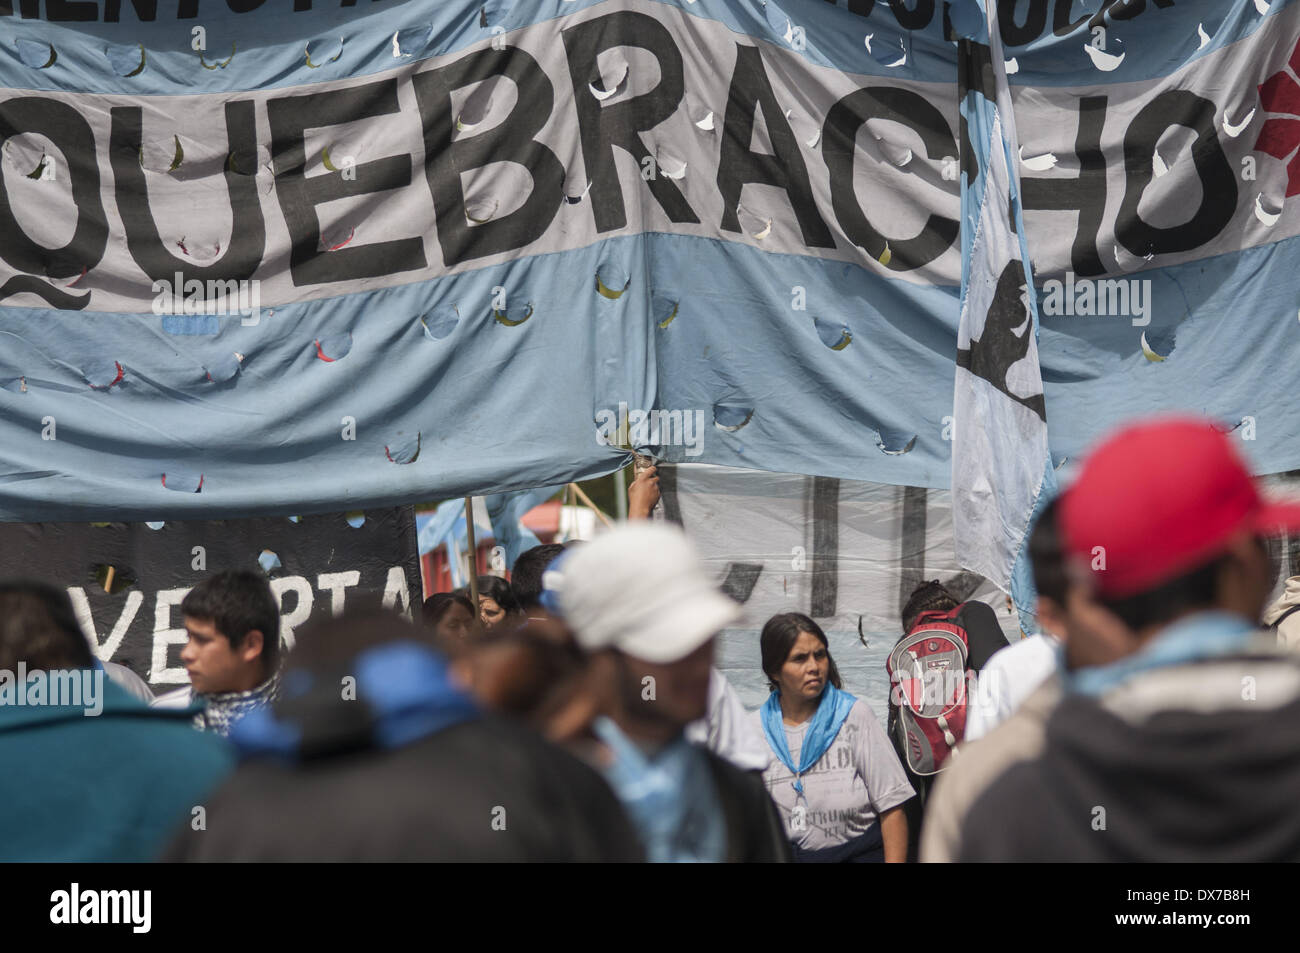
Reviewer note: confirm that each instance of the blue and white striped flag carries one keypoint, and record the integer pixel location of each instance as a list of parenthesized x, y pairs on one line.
[(1001, 463)]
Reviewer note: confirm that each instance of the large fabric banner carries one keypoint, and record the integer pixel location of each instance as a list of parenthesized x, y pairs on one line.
[(846, 553), (296, 256), (127, 580)]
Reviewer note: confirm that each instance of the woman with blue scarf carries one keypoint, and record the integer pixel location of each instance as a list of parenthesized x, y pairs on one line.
[(833, 773)]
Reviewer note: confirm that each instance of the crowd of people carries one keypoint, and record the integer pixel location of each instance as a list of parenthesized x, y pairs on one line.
[(576, 712)]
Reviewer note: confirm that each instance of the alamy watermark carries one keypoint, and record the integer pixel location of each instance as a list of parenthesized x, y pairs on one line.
[(659, 428), (1106, 297), (214, 296), (81, 688)]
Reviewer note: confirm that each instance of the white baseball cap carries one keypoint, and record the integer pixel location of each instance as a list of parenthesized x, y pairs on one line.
[(640, 588)]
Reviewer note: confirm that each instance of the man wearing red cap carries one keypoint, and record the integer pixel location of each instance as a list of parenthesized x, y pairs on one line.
[(1178, 733)]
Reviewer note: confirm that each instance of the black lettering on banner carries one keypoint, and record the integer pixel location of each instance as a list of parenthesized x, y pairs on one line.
[(602, 127), (66, 128), (1084, 193), (916, 18), (860, 7), (71, 11), (131, 190), (839, 134), (1018, 34), (31, 9), (1175, 107), (509, 141), (1061, 25), (145, 10), (826, 547), (243, 6), (299, 195), (738, 166)]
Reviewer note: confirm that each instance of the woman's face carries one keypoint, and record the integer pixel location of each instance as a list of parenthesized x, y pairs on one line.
[(456, 624), (489, 612), (806, 668)]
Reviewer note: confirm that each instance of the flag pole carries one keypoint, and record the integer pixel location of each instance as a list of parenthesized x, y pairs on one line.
[(473, 551)]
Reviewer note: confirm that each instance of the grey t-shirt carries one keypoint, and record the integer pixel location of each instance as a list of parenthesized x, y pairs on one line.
[(856, 780)]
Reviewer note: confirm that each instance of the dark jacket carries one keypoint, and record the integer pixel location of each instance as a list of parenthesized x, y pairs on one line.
[(1195, 762), (754, 830), (482, 790), (106, 787)]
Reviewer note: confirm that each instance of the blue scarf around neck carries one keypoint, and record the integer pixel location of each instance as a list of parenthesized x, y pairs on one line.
[(831, 712)]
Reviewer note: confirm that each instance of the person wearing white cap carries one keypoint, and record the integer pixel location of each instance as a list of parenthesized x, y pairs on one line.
[(639, 597)]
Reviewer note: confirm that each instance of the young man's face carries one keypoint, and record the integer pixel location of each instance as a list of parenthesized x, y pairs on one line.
[(212, 664)]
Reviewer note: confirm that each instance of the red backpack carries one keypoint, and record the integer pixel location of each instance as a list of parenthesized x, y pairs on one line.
[(927, 672)]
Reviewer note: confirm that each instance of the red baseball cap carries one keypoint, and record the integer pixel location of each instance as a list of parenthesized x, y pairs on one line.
[(1160, 498)]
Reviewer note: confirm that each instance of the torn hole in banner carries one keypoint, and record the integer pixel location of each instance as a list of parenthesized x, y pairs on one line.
[(513, 315), (440, 322), (126, 61), (884, 141), (217, 64), (894, 442), (200, 248), (833, 334), (269, 561), (336, 236), (1130, 262), (183, 481), (103, 374), (732, 415), (225, 368), (411, 41), (612, 280), (1267, 215), (1103, 60), (162, 155), (573, 198), (333, 347), (15, 385), (495, 190), (1158, 346), (156, 525), (36, 54), (323, 50), (669, 164), (1234, 129), (27, 154), (1037, 163), (474, 105), (356, 519), (403, 448), (664, 309), (701, 115), (610, 76), (888, 55), (753, 224)]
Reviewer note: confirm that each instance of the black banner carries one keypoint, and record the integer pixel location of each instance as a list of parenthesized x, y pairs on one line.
[(317, 565)]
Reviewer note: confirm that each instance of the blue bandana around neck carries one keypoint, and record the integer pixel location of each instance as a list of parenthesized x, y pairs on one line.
[(831, 712), (402, 692)]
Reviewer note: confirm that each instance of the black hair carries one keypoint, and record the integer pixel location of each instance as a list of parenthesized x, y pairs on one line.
[(237, 602), (1197, 589), (500, 592), (1046, 556), (440, 603), (526, 577), (39, 628), (778, 638), (927, 597)]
